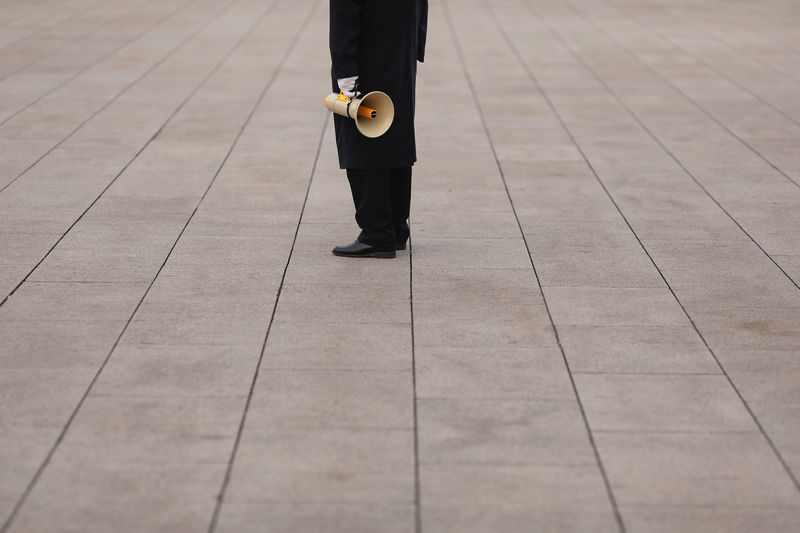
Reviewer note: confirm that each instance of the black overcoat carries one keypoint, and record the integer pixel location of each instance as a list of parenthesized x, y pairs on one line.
[(380, 41)]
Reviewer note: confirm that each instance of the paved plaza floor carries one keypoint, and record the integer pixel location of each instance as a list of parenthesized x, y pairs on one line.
[(596, 327)]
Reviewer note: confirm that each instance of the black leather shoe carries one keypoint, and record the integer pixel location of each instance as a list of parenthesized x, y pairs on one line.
[(360, 249)]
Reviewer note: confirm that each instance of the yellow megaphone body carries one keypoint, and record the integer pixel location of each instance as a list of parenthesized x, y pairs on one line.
[(373, 112)]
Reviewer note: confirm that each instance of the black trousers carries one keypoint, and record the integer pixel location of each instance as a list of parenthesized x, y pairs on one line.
[(382, 199)]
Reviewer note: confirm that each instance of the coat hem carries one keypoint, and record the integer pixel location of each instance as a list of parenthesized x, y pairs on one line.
[(391, 164)]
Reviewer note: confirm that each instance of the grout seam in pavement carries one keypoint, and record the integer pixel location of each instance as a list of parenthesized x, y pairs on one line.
[(341, 369), (417, 490), (716, 506), (598, 460), (330, 503), (766, 437), (765, 18), (333, 322), (46, 28), (22, 19), (117, 96), (749, 306), (229, 471), (109, 54), (26, 493), (744, 7), (514, 464), (611, 373), (679, 431), (240, 430), (700, 60), (85, 281), (69, 42), (51, 233), (734, 24), (138, 152), (743, 51), (641, 123), (681, 92)]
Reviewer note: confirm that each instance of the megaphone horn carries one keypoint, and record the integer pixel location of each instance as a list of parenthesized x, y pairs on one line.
[(373, 112)]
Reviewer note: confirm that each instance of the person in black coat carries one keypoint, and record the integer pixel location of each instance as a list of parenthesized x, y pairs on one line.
[(375, 46)]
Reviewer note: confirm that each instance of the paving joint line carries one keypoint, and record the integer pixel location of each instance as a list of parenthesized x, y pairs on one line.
[(598, 460), (106, 56), (679, 431), (417, 489), (627, 373), (71, 41), (708, 65), (138, 152), (720, 506), (90, 281), (711, 33), (747, 407), (62, 434), (117, 96), (734, 23), (37, 31), (680, 92), (240, 430), (658, 141)]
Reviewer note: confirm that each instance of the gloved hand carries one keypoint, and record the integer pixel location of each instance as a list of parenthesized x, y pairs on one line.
[(349, 86)]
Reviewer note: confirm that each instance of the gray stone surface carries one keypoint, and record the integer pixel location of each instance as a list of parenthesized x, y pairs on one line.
[(73, 301), (501, 432), (591, 306), (85, 496), (703, 469), (323, 518), (373, 398), (178, 370), (550, 487), (153, 429), (492, 373), (56, 344), (636, 350), (624, 402), (711, 519), (346, 465), (475, 519), (596, 326), (300, 346)]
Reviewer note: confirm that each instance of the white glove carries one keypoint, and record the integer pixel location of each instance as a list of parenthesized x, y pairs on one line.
[(349, 86)]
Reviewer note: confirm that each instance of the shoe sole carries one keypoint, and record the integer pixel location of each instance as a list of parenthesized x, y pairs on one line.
[(379, 255)]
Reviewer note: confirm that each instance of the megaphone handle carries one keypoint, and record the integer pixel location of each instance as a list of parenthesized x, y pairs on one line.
[(347, 99)]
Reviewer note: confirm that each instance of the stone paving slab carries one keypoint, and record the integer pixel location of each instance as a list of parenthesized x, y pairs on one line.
[(596, 326)]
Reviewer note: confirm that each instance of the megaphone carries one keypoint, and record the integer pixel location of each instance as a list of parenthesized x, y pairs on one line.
[(373, 112)]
